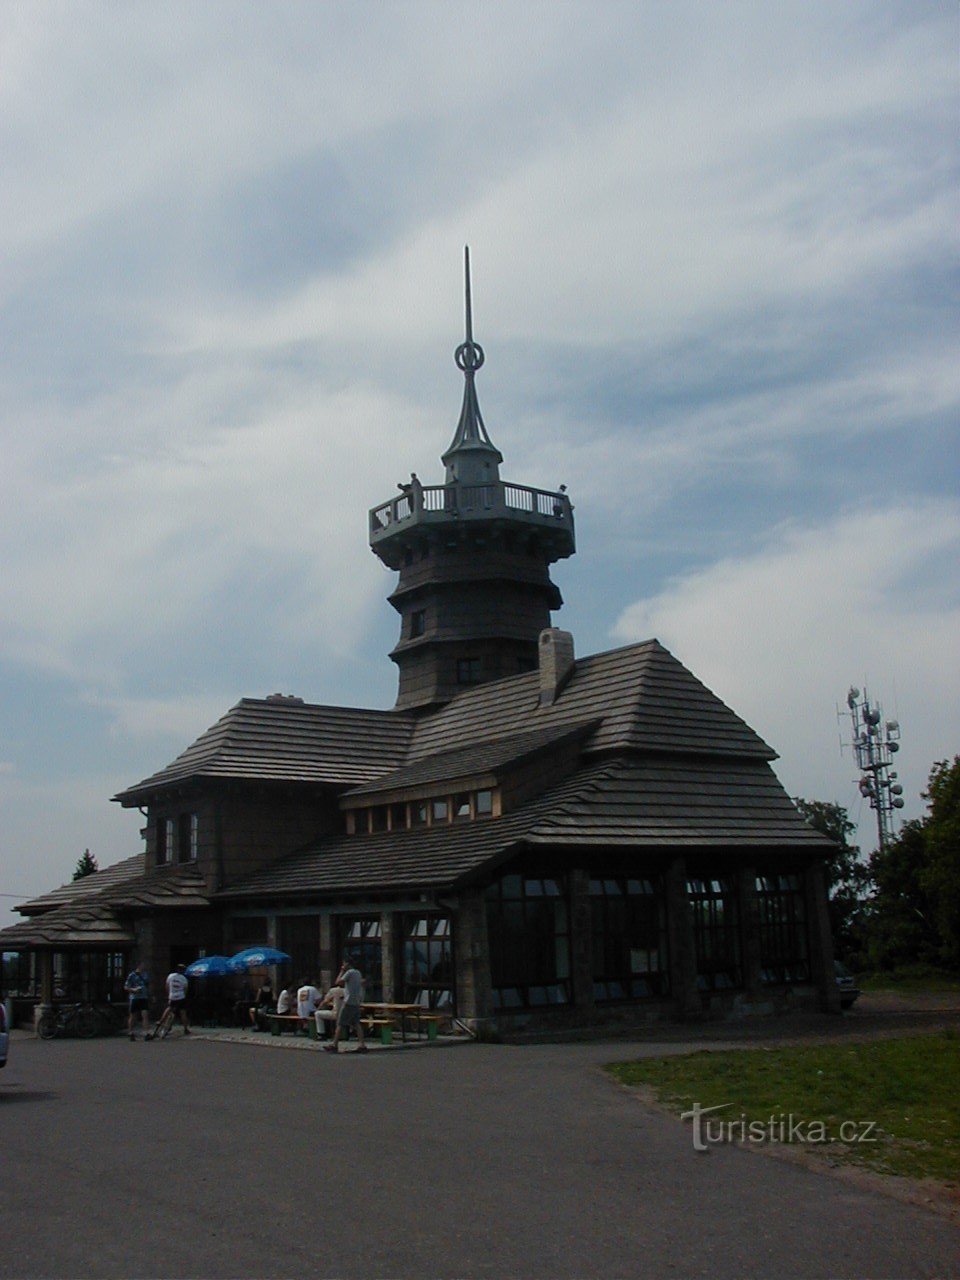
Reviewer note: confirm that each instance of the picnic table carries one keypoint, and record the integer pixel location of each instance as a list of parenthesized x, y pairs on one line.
[(401, 1013)]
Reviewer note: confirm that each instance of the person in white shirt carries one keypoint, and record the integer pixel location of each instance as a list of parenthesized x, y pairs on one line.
[(328, 1010), (177, 985), (287, 1000), (308, 997)]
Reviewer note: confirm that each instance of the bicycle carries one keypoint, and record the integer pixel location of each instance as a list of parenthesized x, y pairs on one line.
[(82, 1020), (164, 1026)]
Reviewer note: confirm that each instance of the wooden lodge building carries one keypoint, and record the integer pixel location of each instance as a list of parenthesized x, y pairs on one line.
[(527, 837)]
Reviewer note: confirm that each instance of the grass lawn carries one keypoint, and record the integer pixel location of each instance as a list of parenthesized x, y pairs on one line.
[(909, 1087), (919, 979)]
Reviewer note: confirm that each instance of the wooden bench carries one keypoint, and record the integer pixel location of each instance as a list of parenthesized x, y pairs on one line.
[(280, 1022), (386, 1026), (432, 1021)]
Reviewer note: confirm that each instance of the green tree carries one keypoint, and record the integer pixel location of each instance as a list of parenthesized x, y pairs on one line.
[(940, 877), (86, 865), (847, 876), (916, 906)]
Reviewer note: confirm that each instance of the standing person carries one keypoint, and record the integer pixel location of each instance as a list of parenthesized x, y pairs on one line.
[(137, 987), (351, 980), (308, 997), (177, 985)]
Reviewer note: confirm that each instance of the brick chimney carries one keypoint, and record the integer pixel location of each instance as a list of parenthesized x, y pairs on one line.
[(555, 651)]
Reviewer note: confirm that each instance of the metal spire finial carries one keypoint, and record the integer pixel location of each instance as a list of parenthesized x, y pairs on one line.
[(469, 355)]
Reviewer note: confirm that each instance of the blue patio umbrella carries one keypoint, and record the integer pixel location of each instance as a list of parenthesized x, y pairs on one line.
[(209, 967), (256, 958)]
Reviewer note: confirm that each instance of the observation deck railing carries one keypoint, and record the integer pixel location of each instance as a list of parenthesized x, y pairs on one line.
[(438, 502)]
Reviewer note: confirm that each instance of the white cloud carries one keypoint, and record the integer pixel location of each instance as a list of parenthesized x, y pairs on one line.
[(871, 597)]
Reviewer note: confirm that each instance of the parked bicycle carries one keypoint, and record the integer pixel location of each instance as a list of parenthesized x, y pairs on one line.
[(82, 1020), (163, 1027)]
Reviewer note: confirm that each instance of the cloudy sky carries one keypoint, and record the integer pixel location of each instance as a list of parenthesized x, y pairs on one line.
[(715, 276)]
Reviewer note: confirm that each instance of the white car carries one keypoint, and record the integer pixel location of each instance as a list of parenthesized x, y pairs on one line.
[(4, 1034)]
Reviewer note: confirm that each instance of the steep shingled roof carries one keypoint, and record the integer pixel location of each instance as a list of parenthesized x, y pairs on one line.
[(646, 699), (642, 697), (283, 741), (643, 802)]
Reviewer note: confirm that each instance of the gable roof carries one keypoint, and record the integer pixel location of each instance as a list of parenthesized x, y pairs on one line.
[(645, 699), (283, 741), (642, 698)]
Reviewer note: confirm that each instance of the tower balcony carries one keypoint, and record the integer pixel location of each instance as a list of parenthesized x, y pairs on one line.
[(396, 524)]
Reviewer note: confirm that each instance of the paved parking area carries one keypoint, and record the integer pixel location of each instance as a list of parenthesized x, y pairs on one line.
[(205, 1159)]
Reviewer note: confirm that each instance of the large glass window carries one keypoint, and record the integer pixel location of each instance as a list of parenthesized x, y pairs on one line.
[(629, 943), (784, 952), (188, 827), (528, 925), (716, 931), (165, 839), (426, 965), (360, 939)]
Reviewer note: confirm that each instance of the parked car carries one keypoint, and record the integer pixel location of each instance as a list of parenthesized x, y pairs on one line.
[(4, 1034), (847, 984)]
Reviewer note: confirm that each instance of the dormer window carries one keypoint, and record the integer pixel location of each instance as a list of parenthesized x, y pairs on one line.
[(461, 806)]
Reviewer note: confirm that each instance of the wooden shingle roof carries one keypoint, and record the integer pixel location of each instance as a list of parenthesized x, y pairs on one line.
[(425, 857), (87, 886), (94, 915), (282, 741), (651, 805), (644, 698), (641, 697), (480, 758), (658, 802)]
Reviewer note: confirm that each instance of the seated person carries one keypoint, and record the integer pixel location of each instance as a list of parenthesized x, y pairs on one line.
[(264, 1004), (308, 997), (328, 1010), (287, 1000), (242, 1004)]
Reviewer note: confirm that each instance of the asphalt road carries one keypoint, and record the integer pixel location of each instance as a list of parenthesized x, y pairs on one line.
[(193, 1158)]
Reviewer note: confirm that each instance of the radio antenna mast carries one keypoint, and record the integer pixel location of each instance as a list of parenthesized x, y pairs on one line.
[(875, 742)]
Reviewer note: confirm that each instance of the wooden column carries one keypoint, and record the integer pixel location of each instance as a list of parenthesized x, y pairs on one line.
[(821, 938), (388, 955), (581, 942), (471, 956)]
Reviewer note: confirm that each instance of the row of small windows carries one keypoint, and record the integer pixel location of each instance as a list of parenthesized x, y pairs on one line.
[(178, 839), (465, 806)]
